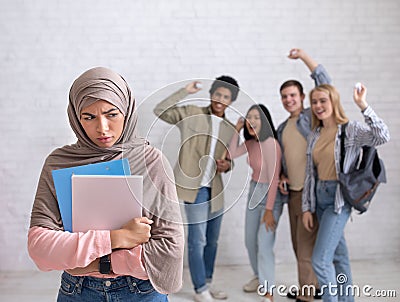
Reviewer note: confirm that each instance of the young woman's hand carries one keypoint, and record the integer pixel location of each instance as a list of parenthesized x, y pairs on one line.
[(269, 220), (240, 124), (133, 233), (359, 97), (308, 221)]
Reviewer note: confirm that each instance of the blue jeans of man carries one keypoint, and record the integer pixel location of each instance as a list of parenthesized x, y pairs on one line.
[(260, 242), (330, 257), (203, 233), (89, 289)]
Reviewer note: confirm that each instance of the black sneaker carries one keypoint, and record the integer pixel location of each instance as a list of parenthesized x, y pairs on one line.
[(291, 296), (318, 294), (294, 297)]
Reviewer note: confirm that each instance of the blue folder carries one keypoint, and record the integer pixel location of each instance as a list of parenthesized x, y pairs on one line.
[(63, 184)]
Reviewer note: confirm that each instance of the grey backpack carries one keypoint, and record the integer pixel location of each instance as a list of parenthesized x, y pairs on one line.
[(366, 173)]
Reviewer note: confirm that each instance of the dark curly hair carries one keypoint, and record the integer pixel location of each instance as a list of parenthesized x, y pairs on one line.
[(226, 82)]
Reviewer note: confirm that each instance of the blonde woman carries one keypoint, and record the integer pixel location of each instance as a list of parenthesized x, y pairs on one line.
[(322, 193)]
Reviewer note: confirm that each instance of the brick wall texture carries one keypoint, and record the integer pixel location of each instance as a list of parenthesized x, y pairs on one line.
[(46, 44)]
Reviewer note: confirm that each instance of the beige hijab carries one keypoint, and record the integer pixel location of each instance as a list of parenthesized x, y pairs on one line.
[(163, 254)]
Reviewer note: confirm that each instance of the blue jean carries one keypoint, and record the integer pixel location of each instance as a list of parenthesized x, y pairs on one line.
[(330, 257), (260, 242), (203, 233), (89, 289)]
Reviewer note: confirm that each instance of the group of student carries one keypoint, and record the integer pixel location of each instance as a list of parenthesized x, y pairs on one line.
[(299, 160)]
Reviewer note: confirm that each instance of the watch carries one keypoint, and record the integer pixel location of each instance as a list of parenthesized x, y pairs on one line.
[(105, 264)]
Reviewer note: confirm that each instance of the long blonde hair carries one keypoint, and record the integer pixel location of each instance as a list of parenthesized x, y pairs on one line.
[(334, 97)]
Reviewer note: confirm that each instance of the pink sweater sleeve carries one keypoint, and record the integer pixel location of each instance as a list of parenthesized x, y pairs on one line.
[(58, 250), (272, 154), (129, 262), (236, 150)]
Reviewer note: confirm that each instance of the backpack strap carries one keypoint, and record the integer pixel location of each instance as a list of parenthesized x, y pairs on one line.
[(342, 149)]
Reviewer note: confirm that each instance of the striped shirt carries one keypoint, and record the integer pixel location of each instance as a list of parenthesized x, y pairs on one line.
[(373, 133)]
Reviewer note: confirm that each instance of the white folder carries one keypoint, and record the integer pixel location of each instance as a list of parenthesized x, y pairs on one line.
[(105, 202)]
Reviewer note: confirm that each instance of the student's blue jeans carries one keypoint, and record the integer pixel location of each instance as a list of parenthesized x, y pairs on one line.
[(89, 289), (203, 233), (330, 257), (260, 242)]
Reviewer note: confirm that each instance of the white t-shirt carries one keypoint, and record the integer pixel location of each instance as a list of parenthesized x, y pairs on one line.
[(211, 166)]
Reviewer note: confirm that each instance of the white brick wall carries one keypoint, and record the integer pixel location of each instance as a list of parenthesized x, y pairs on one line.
[(45, 44)]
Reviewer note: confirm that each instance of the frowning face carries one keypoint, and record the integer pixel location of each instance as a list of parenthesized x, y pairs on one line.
[(103, 123)]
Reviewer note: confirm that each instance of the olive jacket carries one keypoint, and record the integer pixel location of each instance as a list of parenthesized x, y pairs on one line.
[(195, 125)]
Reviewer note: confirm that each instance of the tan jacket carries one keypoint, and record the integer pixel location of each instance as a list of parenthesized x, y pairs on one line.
[(194, 124)]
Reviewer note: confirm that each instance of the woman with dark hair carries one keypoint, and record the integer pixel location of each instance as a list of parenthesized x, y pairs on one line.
[(262, 212)]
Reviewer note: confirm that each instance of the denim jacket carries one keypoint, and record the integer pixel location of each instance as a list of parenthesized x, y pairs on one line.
[(320, 76)]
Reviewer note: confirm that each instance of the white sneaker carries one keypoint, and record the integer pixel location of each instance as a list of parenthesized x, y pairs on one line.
[(217, 293), (204, 296), (251, 286)]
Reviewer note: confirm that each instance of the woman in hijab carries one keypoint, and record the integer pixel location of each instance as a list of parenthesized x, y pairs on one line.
[(146, 254)]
